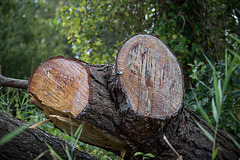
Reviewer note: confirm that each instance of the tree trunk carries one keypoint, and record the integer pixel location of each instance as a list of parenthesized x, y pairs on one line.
[(126, 107), (29, 144)]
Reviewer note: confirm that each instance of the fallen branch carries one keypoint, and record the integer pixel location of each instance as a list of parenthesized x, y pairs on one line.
[(15, 83)]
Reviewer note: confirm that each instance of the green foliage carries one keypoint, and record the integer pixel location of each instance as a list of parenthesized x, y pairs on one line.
[(27, 36), (73, 142), (97, 28), (226, 93), (144, 156), (219, 94), (16, 102)]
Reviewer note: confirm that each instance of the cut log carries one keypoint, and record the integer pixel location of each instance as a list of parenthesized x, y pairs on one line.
[(64, 89), (29, 144), (148, 87), (126, 107), (151, 77)]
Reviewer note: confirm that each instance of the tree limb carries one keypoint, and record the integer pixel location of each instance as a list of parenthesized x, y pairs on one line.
[(15, 83)]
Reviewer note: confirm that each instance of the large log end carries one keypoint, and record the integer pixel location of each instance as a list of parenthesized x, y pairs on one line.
[(151, 76)]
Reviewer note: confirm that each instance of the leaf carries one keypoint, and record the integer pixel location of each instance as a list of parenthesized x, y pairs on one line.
[(126, 13), (11, 135), (234, 53), (236, 39), (164, 16), (215, 82), (206, 132), (226, 65), (78, 134), (174, 36), (138, 154), (68, 153), (214, 110), (220, 96), (215, 153), (228, 73), (213, 68), (205, 116), (149, 155)]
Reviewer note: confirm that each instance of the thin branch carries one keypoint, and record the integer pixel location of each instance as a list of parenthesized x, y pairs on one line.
[(15, 83)]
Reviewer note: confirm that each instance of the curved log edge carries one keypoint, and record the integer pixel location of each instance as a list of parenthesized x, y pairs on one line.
[(151, 76), (61, 84), (30, 143)]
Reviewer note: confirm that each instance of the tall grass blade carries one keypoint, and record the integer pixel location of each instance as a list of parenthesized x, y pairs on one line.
[(215, 82), (226, 63), (11, 135), (206, 132), (215, 153), (201, 110), (236, 39), (210, 89), (220, 96), (205, 116), (228, 73), (234, 53), (213, 68), (55, 153), (68, 153), (79, 130), (78, 133), (215, 112), (234, 141)]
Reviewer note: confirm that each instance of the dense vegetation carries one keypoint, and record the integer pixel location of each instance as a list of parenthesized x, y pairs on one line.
[(33, 31)]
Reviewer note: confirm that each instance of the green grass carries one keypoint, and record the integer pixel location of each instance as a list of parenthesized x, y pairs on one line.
[(218, 98), (16, 102)]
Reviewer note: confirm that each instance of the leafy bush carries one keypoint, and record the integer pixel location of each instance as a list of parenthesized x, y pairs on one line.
[(227, 73)]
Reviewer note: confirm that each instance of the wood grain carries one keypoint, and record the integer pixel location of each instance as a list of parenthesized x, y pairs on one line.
[(61, 84), (151, 76)]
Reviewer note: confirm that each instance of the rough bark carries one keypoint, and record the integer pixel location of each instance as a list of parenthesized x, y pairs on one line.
[(30, 143), (118, 119)]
